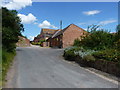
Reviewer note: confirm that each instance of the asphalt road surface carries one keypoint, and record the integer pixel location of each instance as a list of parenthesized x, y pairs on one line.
[(36, 67)]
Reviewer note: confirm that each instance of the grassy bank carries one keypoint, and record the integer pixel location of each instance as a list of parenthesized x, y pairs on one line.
[(7, 58)]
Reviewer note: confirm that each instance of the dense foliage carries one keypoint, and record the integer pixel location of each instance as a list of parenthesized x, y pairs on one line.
[(38, 43), (11, 29), (97, 44), (97, 39), (108, 54), (71, 52), (117, 39)]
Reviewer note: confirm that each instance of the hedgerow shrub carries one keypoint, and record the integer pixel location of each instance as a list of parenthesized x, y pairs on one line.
[(11, 29), (117, 38), (77, 42), (108, 54), (69, 55), (99, 44), (71, 52), (97, 39), (74, 48), (84, 53), (35, 43), (89, 58)]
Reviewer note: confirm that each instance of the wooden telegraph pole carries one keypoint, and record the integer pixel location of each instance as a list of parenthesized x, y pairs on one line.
[(61, 25)]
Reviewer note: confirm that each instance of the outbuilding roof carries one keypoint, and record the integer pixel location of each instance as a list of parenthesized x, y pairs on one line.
[(50, 31), (59, 32)]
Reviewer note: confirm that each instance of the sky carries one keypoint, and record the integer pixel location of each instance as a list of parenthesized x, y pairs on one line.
[(37, 15)]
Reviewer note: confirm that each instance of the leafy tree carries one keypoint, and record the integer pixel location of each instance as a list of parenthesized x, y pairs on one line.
[(11, 29), (92, 28), (77, 42), (97, 38), (118, 32), (117, 37)]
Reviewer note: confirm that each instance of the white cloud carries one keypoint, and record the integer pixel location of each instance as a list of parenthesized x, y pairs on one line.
[(81, 23), (93, 12), (107, 22), (46, 24), (27, 19), (35, 23), (16, 4), (31, 38), (88, 22)]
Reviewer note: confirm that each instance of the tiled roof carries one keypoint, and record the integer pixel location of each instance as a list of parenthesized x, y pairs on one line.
[(46, 32), (59, 32), (50, 31)]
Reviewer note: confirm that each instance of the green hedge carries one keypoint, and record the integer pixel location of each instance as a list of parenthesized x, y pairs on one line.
[(91, 55), (35, 43), (71, 52), (108, 54)]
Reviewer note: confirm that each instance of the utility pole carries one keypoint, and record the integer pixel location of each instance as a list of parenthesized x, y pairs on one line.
[(61, 25), (60, 36)]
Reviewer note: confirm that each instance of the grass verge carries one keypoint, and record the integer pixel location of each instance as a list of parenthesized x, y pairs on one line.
[(7, 58)]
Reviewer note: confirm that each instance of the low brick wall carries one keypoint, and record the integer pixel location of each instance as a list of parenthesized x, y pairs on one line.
[(103, 65)]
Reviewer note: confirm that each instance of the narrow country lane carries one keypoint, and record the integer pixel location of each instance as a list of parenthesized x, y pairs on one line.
[(36, 67)]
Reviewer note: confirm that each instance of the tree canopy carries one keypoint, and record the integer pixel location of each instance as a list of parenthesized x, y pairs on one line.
[(99, 38), (11, 29)]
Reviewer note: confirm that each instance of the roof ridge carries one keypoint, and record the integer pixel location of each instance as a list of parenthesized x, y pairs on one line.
[(48, 29), (78, 27), (56, 33), (62, 31)]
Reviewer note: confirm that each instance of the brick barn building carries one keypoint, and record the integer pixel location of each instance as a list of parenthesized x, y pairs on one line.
[(65, 38), (44, 35)]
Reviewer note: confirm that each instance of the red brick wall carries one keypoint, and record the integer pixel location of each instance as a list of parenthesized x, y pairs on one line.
[(71, 33), (55, 42), (45, 44)]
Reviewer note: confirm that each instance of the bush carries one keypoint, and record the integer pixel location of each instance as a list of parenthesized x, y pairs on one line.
[(118, 44), (35, 43), (97, 39), (69, 55), (71, 52), (89, 58), (77, 42), (11, 29), (84, 53), (108, 54)]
